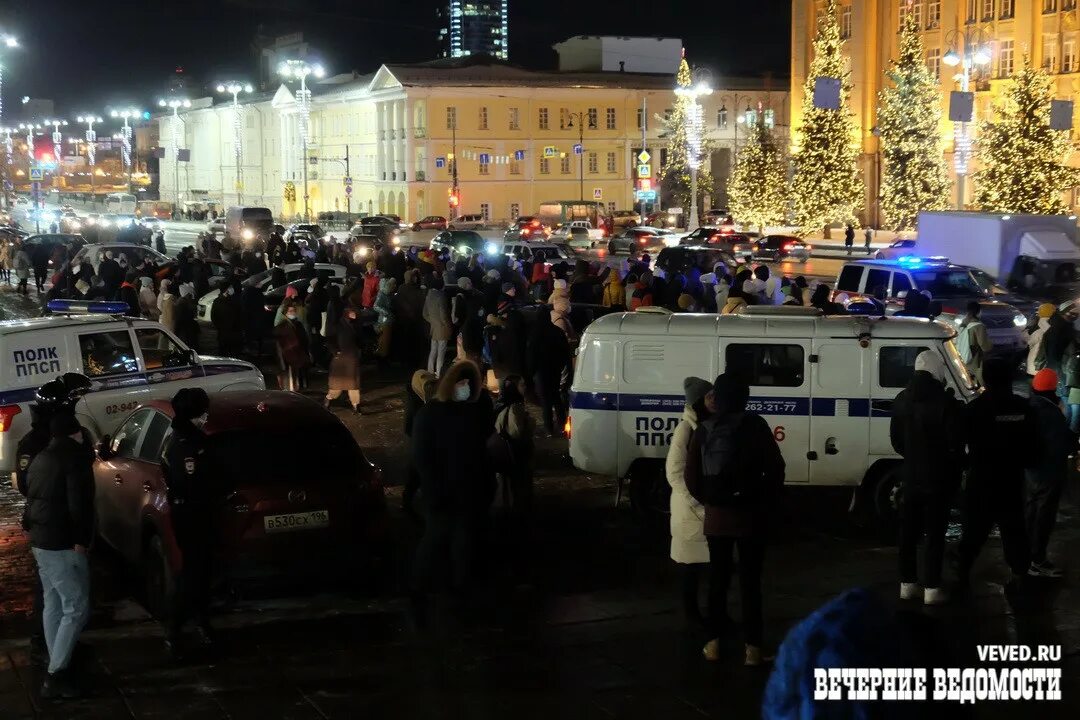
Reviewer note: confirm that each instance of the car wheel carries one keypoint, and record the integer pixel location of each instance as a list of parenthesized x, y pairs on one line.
[(159, 585), (886, 498)]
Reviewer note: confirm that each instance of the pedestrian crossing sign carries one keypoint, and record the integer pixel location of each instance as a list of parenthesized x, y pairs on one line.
[(37, 174)]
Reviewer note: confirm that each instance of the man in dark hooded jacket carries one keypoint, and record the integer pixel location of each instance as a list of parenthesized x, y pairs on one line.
[(111, 274), (926, 430)]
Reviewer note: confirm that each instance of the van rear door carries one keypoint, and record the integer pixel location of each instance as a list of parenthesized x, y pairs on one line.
[(776, 369), (839, 408)]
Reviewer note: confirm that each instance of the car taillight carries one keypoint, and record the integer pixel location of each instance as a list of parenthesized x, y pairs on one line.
[(566, 428), (641, 240), (788, 245), (7, 416)]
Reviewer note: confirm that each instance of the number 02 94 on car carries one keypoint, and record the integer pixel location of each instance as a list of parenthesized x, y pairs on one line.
[(296, 521)]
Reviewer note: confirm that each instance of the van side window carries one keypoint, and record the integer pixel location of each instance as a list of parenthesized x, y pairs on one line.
[(849, 278), (877, 282), (896, 365), (599, 358), (655, 363), (766, 365), (159, 350), (108, 353), (900, 283)]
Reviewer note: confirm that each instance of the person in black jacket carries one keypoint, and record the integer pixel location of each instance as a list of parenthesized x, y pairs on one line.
[(449, 450), (59, 515), (998, 421), (110, 272), (1045, 481), (227, 314), (549, 355), (926, 430), (187, 469), (418, 392)]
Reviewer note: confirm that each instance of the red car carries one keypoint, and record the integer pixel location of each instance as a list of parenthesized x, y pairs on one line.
[(431, 222), (294, 488)]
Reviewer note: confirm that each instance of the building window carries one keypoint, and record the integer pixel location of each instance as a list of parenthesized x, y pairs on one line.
[(564, 164), (545, 166), (1068, 54), (451, 117), (1008, 9), (721, 118), (543, 122), (914, 8), (642, 122), (515, 167), (593, 119), (933, 62), (594, 163), (1049, 6), (972, 10), (611, 208), (483, 117), (770, 119), (751, 118), (1049, 53), (845, 22), (611, 162), (933, 13), (515, 210), (485, 211), (611, 118), (1005, 59), (1068, 4), (515, 119), (485, 168), (987, 9), (667, 114), (564, 118)]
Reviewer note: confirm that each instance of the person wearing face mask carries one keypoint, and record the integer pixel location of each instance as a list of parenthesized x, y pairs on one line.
[(294, 349), (192, 507)]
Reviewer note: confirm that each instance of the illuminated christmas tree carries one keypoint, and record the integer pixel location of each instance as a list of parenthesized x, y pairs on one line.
[(914, 175), (675, 174), (827, 185), (1022, 159), (758, 188)]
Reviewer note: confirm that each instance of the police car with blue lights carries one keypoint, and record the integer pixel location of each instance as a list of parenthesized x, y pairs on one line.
[(129, 361), (825, 385)]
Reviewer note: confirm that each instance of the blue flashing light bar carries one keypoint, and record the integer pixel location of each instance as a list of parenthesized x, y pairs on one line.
[(87, 307)]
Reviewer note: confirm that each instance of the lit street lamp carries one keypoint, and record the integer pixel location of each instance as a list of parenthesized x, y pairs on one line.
[(974, 50), (125, 137), (694, 132), (300, 69), (176, 104), (58, 139), (8, 41), (91, 138), (234, 89)]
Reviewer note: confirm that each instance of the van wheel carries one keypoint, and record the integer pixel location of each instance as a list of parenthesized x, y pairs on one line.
[(159, 585), (650, 496), (885, 502)]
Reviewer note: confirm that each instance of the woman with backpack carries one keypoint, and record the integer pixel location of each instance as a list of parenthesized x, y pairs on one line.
[(512, 449), (734, 468)]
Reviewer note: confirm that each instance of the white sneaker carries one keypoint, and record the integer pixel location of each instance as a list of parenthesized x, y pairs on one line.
[(909, 591), (1044, 569), (935, 596)]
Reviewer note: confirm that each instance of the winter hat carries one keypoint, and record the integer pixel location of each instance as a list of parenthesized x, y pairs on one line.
[(1046, 380), (560, 284), (932, 363), (146, 282), (685, 301), (492, 276), (695, 388), (64, 424), (291, 292), (1046, 310), (464, 283), (190, 403)]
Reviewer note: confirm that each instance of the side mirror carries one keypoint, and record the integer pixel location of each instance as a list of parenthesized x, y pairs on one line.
[(104, 447), (192, 357)]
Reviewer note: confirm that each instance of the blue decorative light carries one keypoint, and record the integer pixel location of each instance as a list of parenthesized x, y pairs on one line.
[(87, 307)]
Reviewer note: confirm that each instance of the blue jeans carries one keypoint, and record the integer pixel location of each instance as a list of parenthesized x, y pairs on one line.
[(65, 579)]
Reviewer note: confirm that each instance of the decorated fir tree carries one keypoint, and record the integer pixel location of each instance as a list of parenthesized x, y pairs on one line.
[(675, 174), (758, 188), (1022, 160), (827, 185), (914, 175)]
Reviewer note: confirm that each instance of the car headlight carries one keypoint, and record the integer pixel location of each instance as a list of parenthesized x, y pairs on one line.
[(247, 234), (397, 240), (1019, 320), (90, 221), (361, 252), (491, 248), (463, 249)]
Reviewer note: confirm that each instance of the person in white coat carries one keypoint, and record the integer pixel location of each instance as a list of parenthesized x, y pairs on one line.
[(1035, 338), (688, 545)]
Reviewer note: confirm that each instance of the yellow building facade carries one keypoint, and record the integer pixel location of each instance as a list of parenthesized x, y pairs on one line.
[(1046, 31)]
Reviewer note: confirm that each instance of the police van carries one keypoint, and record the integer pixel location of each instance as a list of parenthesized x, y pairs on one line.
[(129, 362), (824, 384)]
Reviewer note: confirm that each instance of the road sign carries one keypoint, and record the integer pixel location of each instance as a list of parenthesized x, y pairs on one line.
[(313, 160), (645, 195), (644, 170), (598, 193), (348, 189), (37, 173), (239, 186), (519, 154), (348, 182), (183, 155), (549, 151), (644, 157), (440, 162), (675, 210), (485, 158), (578, 149), (35, 187)]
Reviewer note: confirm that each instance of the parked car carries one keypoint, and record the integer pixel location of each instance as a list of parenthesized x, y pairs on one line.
[(262, 281), (662, 219), (431, 222), (779, 248), (715, 235), (641, 238), (900, 248), (719, 216), (577, 238), (683, 258), (625, 218), (460, 242), (95, 253), (380, 226), (467, 222), (528, 227), (310, 228), (47, 243), (275, 515)]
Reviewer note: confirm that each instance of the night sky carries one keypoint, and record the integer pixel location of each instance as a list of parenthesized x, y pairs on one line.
[(86, 58)]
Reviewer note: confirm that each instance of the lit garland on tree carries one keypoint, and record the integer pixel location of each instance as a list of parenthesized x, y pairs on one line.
[(675, 174), (827, 185), (914, 173), (1021, 157), (758, 189)]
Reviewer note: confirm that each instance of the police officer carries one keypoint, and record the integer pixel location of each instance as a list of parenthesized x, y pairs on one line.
[(56, 397), (186, 467)]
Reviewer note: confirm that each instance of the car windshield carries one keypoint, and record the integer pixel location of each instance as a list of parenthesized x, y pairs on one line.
[(948, 283), (262, 457), (1063, 273)]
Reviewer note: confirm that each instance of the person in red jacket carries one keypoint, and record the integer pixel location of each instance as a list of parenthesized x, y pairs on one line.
[(371, 286)]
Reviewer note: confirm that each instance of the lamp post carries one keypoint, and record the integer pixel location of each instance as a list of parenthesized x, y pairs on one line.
[(58, 139), (176, 104), (300, 69), (234, 89), (8, 41), (694, 131), (967, 49), (125, 137), (740, 117), (580, 116), (91, 138)]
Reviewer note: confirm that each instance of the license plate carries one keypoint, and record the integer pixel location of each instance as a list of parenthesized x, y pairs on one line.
[(296, 521)]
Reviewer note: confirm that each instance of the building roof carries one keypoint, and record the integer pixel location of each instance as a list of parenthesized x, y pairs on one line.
[(481, 71)]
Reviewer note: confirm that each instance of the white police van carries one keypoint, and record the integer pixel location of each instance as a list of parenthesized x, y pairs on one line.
[(824, 384), (129, 361)]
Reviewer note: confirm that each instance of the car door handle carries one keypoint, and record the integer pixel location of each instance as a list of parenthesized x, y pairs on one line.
[(830, 447)]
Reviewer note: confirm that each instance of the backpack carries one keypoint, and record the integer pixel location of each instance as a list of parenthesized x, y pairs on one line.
[(724, 479), (500, 446)]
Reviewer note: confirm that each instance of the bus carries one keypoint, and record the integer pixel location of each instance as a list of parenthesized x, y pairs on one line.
[(560, 212), (121, 203)]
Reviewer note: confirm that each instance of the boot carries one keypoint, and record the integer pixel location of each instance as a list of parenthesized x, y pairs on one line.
[(58, 686), (935, 596), (357, 409), (755, 658), (326, 403)]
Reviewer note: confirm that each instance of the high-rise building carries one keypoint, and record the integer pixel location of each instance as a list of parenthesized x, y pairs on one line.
[(475, 27)]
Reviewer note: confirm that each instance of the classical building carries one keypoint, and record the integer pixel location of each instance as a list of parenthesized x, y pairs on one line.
[(397, 132), (1048, 31)]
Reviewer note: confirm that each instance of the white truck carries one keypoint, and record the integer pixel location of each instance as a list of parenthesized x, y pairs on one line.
[(1032, 255)]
